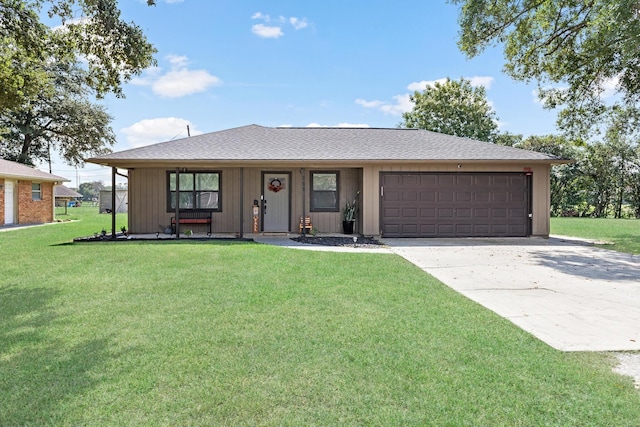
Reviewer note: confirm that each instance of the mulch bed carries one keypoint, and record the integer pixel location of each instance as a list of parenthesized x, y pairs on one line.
[(362, 242)]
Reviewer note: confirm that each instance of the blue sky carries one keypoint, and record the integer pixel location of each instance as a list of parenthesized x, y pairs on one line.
[(223, 64)]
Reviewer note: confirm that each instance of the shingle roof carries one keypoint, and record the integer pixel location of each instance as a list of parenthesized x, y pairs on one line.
[(9, 169), (258, 143), (63, 191)]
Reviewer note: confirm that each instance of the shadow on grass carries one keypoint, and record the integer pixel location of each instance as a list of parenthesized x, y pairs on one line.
[(38, 373)]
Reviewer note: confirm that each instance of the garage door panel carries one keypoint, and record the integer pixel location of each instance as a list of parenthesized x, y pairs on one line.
[(428, 229), (428, 213), (428, 180), (445, 213), (447, 196), (410, 196), (482, 196), (391, 213), (428, 196), (499, 197), (409, 213), (499, 213), (455, 204), (481, 213), (463, 213), (447, 180)]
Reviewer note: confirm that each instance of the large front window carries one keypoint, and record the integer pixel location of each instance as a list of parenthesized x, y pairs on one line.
[(324, 192), (198, 191)]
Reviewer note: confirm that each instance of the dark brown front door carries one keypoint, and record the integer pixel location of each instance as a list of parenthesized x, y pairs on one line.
[(454, 204)]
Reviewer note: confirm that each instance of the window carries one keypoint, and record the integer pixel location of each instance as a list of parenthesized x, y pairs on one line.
[(36, 191), (198, 191), (324, 192)]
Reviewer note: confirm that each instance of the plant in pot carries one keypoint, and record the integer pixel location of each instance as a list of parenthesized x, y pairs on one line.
[(349, 215)]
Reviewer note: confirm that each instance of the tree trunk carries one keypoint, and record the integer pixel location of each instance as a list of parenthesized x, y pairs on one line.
[(24, 153)]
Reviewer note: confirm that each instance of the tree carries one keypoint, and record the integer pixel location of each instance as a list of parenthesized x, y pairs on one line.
[(508, 139), (114, 50), (63, 120), (454, 108), (583, 46), (567, 181), (91, 190)]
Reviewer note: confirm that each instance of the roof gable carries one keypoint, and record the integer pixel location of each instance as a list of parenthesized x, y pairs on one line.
[(9, 169), (258, 143)]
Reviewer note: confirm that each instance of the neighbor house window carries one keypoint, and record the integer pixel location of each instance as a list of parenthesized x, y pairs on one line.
[(324, 192), (198, 191), (36, 191)]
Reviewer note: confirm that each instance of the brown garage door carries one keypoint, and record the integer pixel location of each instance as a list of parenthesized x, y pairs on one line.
[(454, 204)]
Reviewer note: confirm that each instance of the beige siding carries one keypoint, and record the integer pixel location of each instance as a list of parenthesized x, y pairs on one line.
[(148, 188), (541, 200)]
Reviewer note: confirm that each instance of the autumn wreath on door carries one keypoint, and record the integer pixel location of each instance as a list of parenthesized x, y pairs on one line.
[(276, 185)]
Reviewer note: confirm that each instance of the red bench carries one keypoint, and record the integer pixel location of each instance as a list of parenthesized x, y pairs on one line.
[(192, 217)]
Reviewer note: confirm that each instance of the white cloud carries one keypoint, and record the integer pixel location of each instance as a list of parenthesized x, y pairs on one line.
[(369, 104), (180, 81), (178, 61), (298, 24), (151, 131), (485, 81), (272, 28), (267, 32), (401, 104), (173, 1), (184, 82), (259, 15)]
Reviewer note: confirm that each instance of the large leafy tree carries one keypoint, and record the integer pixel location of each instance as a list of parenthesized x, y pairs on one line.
[(63, 120), (567, 180), (581, 47), (454, 107), (91, 190), (114, 50)]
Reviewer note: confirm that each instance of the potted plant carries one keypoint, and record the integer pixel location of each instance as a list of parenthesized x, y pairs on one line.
[(349, 215)]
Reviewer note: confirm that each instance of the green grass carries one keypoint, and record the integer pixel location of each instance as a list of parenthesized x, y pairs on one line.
[(201, 333), (621, 234)]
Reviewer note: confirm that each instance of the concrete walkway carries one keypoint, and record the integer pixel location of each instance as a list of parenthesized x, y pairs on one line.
[(571, 295)]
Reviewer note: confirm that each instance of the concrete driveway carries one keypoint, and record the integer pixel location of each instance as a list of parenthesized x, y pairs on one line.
[(571, 295)]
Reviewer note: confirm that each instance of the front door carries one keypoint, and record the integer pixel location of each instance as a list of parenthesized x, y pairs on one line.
[(8, 202), (276, 188)]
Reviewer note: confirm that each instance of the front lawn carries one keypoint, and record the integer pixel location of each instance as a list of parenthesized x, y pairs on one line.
[(202, 333), (621, 234)]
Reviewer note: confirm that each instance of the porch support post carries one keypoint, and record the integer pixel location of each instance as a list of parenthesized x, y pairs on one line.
[(113, 203), (241, 202), (177, 212), (304, 209)]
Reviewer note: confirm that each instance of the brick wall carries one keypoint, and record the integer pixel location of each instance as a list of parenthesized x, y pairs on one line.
[(1, 201), (34, 211)]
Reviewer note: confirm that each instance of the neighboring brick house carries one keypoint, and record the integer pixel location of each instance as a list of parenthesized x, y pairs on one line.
[(26, 194)]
